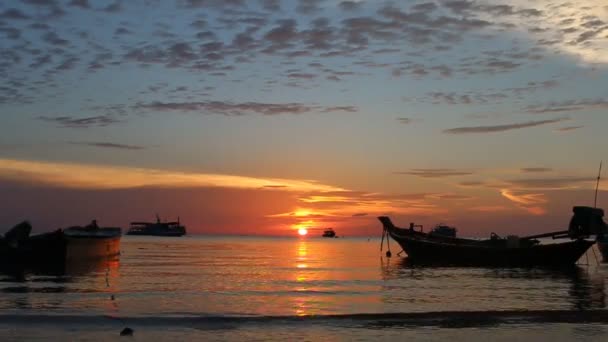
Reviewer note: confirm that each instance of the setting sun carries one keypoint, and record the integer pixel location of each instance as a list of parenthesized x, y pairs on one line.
[(302, 231)]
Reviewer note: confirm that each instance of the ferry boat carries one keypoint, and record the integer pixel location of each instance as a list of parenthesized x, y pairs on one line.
[(78, 243), (157, 228), (513, 251)]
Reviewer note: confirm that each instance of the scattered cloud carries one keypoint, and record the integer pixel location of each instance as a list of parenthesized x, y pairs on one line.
[(435, 173), (107, 145), (238, 109), (536, 169), (568, 106), (501, 128), (78, 122), (568, 128), (405, 121)]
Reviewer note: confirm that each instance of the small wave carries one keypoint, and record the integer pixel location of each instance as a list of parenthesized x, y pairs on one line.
[(453, 319)]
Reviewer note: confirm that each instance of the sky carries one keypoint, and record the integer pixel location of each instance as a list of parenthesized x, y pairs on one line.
[(261, 117)]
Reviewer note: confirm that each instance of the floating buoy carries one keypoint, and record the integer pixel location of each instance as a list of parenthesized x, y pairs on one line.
[(126, 332)]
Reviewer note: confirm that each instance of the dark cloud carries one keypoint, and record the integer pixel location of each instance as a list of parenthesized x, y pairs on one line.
[(77, 122), (114, 7), (452, 197), (271, 5), (238, 109), (275, 186), (41, 61), (107, 145), (80, 3), (434, 173), (501, 128), (13, 13), (121, 31), (349, 109), (54, 39), (471, 183), (11, 32), (568, 106), (282, 36), (349, 5), (536, 169), (302, 75), (359, 215), (309, 6), (424, 7)]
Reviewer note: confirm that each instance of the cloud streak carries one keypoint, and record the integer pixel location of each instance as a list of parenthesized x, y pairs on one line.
[(80, 176), (501, 128), (435, 173), (239, 109), (75, 122), (107, 145)]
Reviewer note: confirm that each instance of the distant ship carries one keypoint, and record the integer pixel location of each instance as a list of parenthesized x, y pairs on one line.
[(157, 228), (329, 233)]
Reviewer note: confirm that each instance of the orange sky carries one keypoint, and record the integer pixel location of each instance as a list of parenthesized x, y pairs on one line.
[(54, 195)]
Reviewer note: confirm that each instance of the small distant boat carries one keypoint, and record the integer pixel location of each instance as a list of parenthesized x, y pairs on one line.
[(78, 243), (329, 233), (442, 247), (157, 228)]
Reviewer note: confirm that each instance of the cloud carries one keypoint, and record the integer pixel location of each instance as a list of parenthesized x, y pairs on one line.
[(13, 13), (550, 183), (74, 122), (528, 201), (536, 169), (349, 5), (501, 128), (435, 173), (568, 106), (238, 109), (405, 121), (80, 176), (80, 3), (568, 128), (107, 145)]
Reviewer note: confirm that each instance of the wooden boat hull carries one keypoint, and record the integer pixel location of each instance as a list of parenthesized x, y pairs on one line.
[(602, 245), (423, 248), (140, 233), (59, 248), (557, 254)]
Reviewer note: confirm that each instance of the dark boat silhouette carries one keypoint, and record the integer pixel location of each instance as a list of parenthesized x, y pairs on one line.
[(157, 228), (440, 249), (329, 233), (602, 245), (76, 243)]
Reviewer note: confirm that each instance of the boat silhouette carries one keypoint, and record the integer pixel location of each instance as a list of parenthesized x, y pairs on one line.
[(441, 249), (157, 228)]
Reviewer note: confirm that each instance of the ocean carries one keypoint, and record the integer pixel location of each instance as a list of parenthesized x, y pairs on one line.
[(297, 289)]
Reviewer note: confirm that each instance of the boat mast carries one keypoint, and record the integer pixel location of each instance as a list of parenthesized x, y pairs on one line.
[(597, 185)]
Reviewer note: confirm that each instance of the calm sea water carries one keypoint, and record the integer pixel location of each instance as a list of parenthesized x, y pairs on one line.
[(222, 288)]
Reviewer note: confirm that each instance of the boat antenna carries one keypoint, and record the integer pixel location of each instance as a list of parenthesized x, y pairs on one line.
[(597, 185)]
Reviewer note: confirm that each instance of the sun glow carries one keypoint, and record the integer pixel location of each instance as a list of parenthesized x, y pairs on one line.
[(302, 231)]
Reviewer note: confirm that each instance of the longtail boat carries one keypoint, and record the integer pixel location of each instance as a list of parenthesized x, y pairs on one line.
[(77, 243), (437, 248)]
